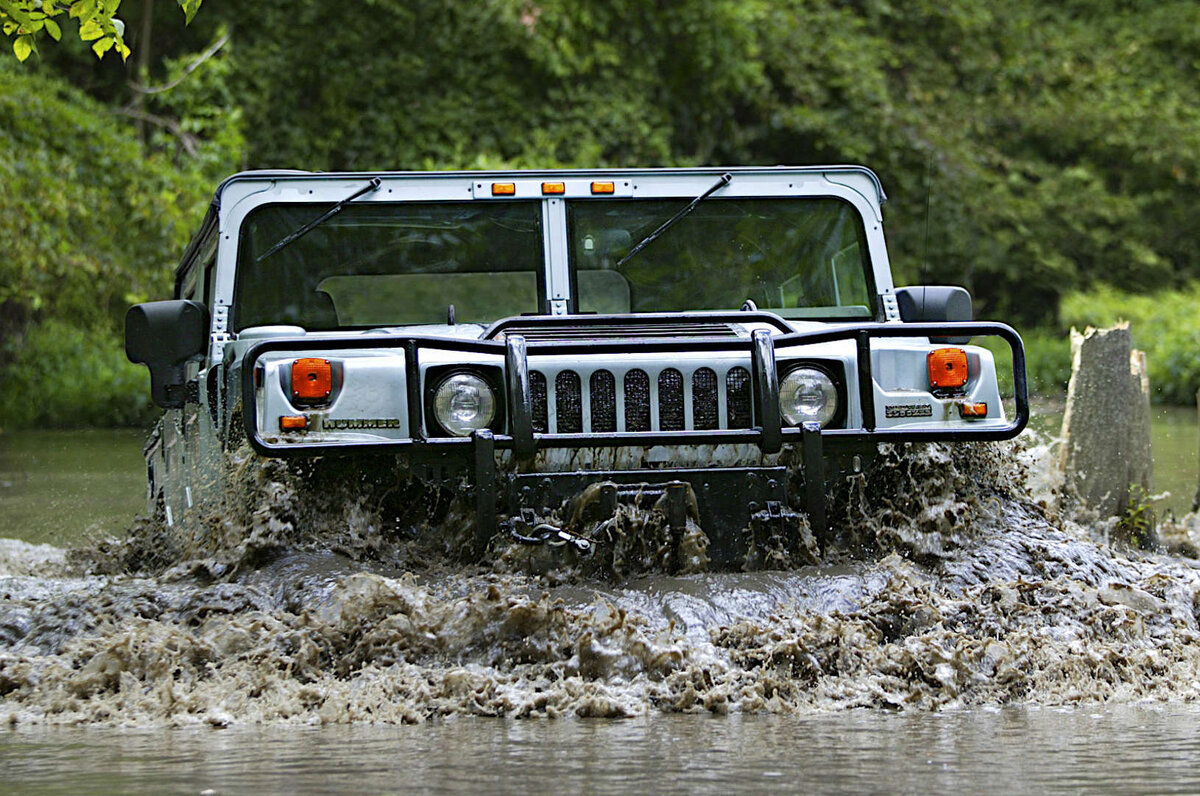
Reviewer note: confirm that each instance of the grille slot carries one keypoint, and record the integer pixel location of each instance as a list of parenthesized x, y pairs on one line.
[(670, 400), (604, 401), (704, 399), (537, 401), (737, 395), (568, 402), (637, 401)]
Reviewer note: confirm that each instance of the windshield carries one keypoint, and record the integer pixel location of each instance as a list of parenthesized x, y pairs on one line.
[(377, 264), (800, 258)]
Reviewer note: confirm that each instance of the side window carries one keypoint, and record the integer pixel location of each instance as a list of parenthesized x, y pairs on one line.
[(210, 281), (188, 285)]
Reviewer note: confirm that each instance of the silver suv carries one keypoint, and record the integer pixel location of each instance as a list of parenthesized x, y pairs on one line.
[(716, 345)]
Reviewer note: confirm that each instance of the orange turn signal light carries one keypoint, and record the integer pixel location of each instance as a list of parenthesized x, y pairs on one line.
[(947, 368), (504, 188), (312, 379), (972, 410), (554, 187), (603, 187), (293, 423)]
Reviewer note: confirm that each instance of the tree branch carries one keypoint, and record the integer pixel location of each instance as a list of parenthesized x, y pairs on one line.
[(204, 56), (186, 140)]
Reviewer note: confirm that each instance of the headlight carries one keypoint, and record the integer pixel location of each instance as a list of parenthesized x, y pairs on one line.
[(807, 394), (464, 402)]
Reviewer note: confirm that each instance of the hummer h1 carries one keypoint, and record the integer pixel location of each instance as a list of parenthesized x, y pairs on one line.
[(719, 345)]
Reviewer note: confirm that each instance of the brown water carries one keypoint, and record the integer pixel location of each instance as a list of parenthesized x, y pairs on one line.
[(959, 633), (59, 486), (1128, 749)]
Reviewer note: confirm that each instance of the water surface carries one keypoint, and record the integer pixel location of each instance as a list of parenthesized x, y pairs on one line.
[(1131, 749)]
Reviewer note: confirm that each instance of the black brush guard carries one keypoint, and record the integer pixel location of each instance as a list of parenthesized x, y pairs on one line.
[(770, 434)]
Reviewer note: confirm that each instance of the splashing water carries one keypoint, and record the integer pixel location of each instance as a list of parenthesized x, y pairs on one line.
[(945, 582)]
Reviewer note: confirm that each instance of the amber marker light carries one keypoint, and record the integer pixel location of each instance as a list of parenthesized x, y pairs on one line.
[(947, 368), (504, 189), (293, 423), (972, 410), (554, 187), (312, 379), (603, 187)]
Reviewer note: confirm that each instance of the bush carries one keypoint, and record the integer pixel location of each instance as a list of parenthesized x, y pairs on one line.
[(1047, 361), (64, 376)]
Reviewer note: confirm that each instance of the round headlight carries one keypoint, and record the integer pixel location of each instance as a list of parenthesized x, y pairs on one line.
[(807, 394), (464, 402)]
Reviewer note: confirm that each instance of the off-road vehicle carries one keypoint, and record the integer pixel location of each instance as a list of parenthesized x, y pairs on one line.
[(718, 345)]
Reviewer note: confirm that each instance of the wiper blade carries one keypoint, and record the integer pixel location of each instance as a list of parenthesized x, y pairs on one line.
[(316, 222), (670, 222)]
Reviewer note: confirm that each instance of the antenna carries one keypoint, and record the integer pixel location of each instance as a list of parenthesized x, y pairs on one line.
[(924, 274)]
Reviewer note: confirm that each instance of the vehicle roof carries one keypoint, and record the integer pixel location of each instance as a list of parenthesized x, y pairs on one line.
[(284, 174)]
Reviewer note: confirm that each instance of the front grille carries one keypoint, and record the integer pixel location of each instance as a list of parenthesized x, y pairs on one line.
[(638, 401)]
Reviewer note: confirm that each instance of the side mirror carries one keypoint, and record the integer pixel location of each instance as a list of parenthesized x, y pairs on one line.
[(164, 336), (935, 303)]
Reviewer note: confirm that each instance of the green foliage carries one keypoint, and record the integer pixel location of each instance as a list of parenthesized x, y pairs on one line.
[(1028, 148), (1136, 524), (90, 220), (1164, 324), (25, 20), (1047, 361), (65, 376)]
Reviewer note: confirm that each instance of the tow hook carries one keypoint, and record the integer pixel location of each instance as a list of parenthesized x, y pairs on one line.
[(540, 533)]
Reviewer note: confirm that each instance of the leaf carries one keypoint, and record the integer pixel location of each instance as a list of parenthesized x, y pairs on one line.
[(190, 7), (17, 13), (54, 30), (23, 47), (102, 46), (84, 9), (90, 30)]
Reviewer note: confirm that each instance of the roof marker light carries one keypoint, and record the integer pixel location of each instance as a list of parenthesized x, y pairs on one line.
[(554, 187), (504, 189), (603, 187)]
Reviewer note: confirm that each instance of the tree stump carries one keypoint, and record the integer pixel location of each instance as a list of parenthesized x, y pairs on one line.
[(1107, 460)]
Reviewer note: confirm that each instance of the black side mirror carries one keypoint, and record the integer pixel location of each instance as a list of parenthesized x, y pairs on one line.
[(164, 336), (935, 303)]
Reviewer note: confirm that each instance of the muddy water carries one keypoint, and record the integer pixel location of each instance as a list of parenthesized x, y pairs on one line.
[(1123, 749), (961, 623)]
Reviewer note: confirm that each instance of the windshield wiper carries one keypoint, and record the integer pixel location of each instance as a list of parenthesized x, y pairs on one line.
[(670, 222), (316, 222)]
